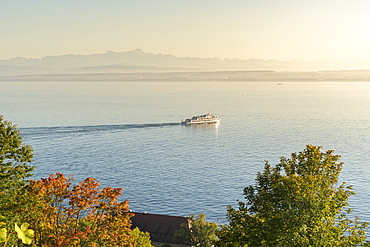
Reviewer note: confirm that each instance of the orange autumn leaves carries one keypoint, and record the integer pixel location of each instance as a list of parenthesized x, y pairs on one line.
[(77, 215)]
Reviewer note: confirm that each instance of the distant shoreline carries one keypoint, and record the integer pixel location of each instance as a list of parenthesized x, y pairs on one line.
[(255, 75)]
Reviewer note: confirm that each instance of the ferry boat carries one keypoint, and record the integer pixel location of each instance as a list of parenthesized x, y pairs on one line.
[(208, 118)]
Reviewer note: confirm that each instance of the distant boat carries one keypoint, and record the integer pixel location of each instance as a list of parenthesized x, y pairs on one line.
[(208, 118)]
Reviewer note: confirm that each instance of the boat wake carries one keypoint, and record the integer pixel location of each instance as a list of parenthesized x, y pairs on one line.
[(83, 129)]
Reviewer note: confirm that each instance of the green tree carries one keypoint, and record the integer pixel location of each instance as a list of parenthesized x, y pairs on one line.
[(14, 169), (198, 232), (14, 158), (142, 239), (297, 203)]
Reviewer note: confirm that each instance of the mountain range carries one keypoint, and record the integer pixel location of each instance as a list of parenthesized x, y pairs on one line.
[(137, 61)]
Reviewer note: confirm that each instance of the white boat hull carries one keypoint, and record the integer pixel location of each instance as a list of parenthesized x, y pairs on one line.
[(200, 122), (203, 119)]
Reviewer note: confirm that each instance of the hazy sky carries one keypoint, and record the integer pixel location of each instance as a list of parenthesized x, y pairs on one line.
[(265, 29)]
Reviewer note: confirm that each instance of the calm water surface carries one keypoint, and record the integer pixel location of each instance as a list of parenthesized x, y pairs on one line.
[(128, 135)]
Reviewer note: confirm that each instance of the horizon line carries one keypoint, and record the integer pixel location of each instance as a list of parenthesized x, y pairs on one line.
[(191, 57)]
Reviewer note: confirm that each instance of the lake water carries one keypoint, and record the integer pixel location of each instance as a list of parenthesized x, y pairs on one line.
[(127, 134)]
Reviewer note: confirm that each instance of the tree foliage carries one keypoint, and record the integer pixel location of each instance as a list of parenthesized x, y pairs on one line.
[(296, 203), (63, 214), (23, 233), (198, 232), (142, 239), (15, 157)]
